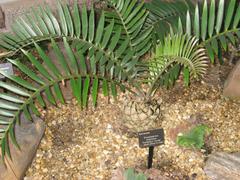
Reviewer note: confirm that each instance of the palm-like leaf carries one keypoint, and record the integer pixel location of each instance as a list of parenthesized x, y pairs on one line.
[(41, 24), (175, 52), (164, 15), (21, 94), (215, 24), (94, 56), (104, 40), (131, 16)]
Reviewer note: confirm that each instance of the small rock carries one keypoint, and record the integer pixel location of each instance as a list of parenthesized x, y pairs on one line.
[(223, 166), (2, 18), (232, 85), (28, 136), (45, 170)]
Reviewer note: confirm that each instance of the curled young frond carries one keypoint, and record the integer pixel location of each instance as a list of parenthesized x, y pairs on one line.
[(176, 52)]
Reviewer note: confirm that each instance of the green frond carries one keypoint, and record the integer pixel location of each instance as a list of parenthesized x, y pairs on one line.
[(102, 41), (87, 77), (175, 52), (42, 24), (91, 55), (164, 15), (131, 15), (215, 24)]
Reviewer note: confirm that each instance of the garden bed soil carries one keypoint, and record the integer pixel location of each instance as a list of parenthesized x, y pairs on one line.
[(91, 144)]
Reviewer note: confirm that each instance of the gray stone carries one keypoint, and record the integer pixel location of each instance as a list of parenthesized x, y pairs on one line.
[(2, 18), (15, 8), (7, 1), (223, 166), (28, 136), (232, 84)]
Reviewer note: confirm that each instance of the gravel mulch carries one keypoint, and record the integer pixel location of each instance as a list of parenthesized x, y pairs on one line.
[(91, 144)]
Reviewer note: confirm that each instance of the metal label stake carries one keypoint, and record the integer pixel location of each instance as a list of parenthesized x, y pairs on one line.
[(151, 139), (150, 156)]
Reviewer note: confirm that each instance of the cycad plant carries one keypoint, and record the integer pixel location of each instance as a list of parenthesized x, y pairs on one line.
[(143, 112), (177, 53), (95, 54)]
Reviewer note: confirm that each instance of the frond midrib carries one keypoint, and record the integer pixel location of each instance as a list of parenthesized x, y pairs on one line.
[(165, 18), (204, 42), (124, 26), (41, 89), (96, 47)]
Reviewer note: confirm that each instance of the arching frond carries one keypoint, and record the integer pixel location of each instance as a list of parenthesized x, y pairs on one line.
[(164, 15), (179, 50), (131, 16), (86, 74), (41, 23), (215, 24), (91, 54)]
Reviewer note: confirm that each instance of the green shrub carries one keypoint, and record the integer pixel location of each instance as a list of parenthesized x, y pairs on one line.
[(194, 138)]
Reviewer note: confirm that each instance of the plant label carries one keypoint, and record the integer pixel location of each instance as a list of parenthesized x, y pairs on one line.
[(7, 68), (151, 138)]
